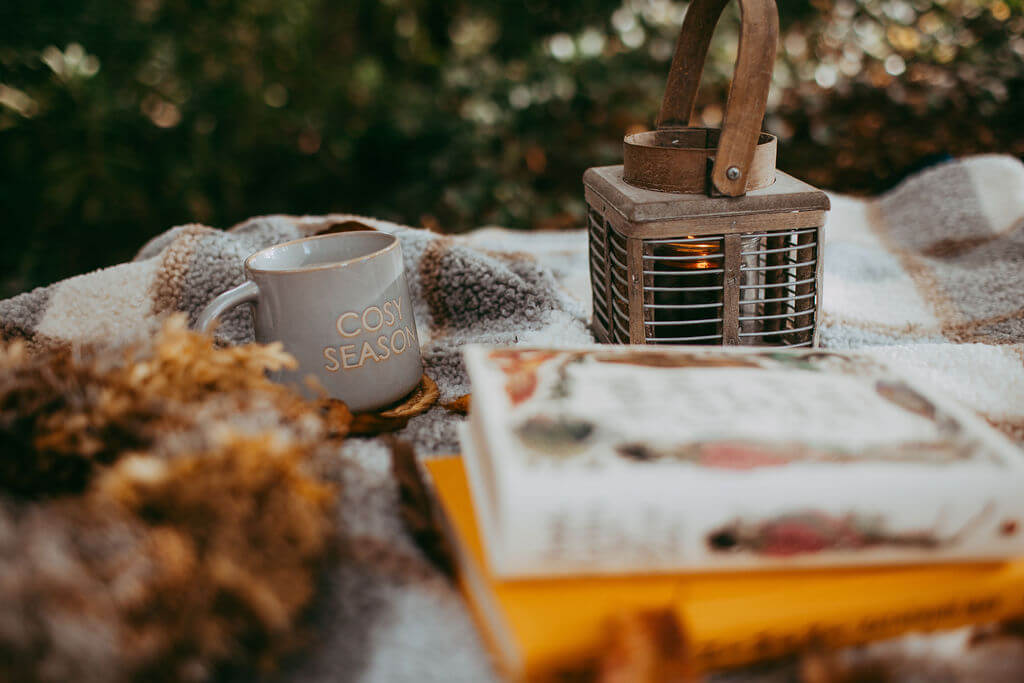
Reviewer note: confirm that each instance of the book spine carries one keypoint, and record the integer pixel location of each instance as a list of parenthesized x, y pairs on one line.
[(767, 627)]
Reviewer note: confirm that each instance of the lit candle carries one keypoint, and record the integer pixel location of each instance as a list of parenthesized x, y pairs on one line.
[(687, 285)]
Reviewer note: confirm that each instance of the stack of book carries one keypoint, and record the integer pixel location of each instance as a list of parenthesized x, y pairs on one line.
[(768, 500)]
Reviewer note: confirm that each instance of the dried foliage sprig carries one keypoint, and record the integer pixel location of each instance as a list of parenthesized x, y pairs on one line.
[(65, 411), (644, 647), (159, 515)]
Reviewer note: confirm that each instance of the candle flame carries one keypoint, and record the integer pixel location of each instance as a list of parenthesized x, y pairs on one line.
[(704, 251)]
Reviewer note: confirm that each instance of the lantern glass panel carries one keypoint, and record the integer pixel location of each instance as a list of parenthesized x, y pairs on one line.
[(685, 283)]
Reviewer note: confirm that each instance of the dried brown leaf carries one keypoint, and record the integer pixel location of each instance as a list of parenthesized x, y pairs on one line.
[(345, 226), (460, 405), (372, 424), (337, 417), (416, 506), (830, 666), (1012, 628), (645, 647)]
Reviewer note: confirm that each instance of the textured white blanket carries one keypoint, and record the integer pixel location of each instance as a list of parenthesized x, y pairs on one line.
[(929, 277)]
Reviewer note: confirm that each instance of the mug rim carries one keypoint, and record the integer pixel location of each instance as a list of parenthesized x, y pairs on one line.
[(249, 267)]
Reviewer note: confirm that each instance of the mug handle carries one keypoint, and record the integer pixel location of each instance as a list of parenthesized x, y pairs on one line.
[(245, 293)]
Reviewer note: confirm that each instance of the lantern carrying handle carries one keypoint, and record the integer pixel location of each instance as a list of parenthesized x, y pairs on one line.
[(676, 157), (748, 93)]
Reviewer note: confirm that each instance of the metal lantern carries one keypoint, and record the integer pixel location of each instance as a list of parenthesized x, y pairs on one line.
[(697, 238)]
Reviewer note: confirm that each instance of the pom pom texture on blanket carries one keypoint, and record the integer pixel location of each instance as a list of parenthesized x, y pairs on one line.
[(928, 277)]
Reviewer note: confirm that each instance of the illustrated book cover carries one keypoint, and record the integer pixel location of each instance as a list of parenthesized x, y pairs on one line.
[(622, 459)]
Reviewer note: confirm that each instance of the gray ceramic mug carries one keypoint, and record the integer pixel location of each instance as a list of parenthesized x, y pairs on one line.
[(339, 304)]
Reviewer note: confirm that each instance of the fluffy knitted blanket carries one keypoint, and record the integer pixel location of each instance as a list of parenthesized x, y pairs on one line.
[(929, 277)]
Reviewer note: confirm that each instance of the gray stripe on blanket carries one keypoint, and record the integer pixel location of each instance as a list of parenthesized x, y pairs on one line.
[(935, 207), (466, 288), (983, 281), (20, 316), (175, 255), (215, 265)]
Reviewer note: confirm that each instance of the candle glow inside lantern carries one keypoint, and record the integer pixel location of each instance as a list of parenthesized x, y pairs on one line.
[(696, 238)]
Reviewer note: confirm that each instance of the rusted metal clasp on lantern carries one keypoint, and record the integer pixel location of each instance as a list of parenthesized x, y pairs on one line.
[(677, 157)]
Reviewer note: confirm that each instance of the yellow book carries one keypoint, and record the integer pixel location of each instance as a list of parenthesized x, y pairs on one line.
[(539, 628)]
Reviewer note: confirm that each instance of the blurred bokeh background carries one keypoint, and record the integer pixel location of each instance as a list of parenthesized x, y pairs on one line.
[(121, 118)]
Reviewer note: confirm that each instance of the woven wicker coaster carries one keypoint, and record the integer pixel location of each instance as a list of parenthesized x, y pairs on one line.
[(393, 417)]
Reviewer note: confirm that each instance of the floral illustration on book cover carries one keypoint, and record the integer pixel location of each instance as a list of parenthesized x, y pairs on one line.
[(740, 412)]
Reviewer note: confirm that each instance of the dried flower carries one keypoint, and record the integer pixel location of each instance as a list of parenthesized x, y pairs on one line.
[(160, 517)]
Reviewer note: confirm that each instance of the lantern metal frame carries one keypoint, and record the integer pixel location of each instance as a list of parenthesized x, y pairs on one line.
[(697, 238)]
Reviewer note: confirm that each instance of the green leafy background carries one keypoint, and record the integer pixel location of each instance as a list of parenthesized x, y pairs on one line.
[(120, 119)]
